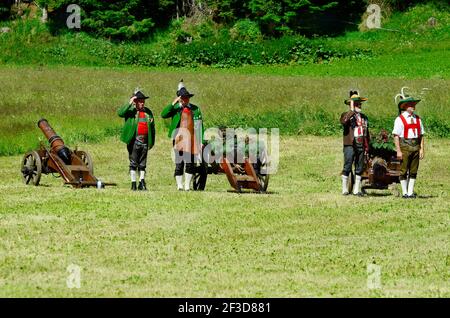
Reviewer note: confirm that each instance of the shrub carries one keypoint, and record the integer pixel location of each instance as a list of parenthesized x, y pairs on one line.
[(246, 30)]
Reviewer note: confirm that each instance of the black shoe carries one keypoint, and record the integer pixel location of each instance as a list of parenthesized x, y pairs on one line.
[(359, 194), (405, 196), (142, 186), (412, 196), (133, 185)]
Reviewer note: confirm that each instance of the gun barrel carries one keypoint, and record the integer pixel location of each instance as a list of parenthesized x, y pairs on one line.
[(56, 142)]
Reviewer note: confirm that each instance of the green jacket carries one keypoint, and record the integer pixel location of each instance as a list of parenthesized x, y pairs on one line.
[(129, 113), (174, 112)]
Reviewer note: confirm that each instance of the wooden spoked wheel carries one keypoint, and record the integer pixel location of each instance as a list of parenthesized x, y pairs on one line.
[(262, 170), (31, 168), (87, 160), (200, 177), (263, 181), (350, 182)]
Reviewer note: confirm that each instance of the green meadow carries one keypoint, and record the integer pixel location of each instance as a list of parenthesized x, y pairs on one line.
[(303, 239), (81, 103)]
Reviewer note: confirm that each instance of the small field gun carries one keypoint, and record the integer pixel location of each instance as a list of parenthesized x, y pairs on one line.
[(382, 168), (75, 167), (241, 171)]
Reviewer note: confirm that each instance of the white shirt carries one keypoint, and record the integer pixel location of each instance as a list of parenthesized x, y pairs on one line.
[(399, 128)]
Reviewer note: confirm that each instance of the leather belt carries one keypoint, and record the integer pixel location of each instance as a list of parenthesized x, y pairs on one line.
[(141, 138), (410, 141)]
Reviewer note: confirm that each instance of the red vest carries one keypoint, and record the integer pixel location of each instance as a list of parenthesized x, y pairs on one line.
[(407, 126), (142, 124)]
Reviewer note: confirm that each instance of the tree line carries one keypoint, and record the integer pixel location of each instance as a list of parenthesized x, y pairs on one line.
[(137, 19)]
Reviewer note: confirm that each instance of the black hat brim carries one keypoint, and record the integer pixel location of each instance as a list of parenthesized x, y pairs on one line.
[(185, 95), (140, 95), (183, 92)]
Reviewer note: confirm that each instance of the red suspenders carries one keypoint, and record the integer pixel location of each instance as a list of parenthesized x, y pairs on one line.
[(407, 126)]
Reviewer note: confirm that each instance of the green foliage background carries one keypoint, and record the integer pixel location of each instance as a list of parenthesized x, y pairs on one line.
[(140, 19), (109, 40)]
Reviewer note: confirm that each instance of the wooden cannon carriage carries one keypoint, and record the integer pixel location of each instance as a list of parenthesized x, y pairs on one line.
[(382, 168), (75, 167), (241, 171), (378, 174)]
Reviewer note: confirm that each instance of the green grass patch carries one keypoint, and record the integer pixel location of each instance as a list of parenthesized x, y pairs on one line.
[(81, 103), (302, 240)]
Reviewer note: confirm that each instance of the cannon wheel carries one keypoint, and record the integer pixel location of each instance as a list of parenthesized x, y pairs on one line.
[(263, 181), (31, 168), (87, 160), (351, 182), (364, 185), (200, 176)]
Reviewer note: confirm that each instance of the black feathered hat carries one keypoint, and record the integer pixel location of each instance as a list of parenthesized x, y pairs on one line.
[(182, 91), (139, 94)]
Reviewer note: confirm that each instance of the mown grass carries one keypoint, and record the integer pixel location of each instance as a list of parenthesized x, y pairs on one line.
[(81, 103), (302, 239)]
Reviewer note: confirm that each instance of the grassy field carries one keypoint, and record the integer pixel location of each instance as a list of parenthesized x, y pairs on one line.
[(302, 239), (81, 103)]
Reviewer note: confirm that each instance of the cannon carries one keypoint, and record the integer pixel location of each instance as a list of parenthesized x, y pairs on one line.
[(382, 168), (379, 174), (240, 170), (75, 167)]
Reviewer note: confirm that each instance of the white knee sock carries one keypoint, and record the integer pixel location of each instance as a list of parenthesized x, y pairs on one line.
[(133, 175), (179, 180), (344, 184), (187, 181), (411, 186), (404, 184), (357, 186), (141, 175)]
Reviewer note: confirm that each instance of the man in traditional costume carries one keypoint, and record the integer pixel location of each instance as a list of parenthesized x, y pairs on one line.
[(139, 134), (356, 141), (186, 131), (409, 142)]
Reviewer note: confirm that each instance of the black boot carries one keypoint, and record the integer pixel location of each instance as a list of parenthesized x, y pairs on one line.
[(133, 185), (142, 186)]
